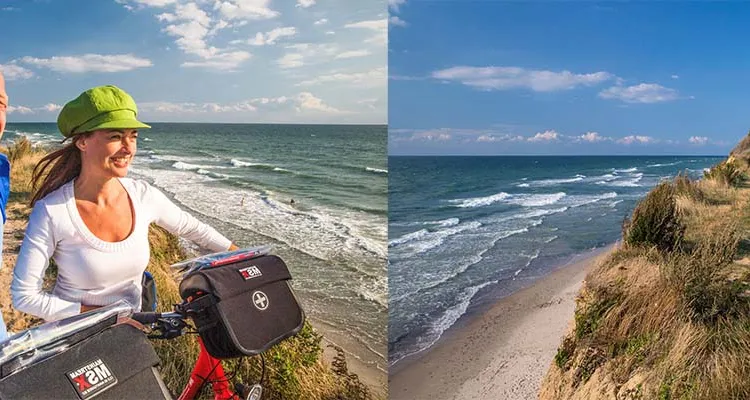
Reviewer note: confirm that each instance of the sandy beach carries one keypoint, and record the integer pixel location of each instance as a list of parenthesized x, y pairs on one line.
[(503, 353)]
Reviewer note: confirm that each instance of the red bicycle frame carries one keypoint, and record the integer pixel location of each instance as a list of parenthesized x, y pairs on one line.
[(208, 369)]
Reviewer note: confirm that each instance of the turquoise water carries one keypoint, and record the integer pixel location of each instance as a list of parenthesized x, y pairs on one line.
[(241, 178), (466, 231)]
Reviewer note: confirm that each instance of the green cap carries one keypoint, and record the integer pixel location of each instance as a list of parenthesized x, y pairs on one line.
[(102, 107)]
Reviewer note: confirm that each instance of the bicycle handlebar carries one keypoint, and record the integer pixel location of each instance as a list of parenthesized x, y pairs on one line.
[(169, 324), (146, 317), (153, 317)]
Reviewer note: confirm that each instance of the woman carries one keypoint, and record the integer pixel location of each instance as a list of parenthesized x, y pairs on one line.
[(90, 218)]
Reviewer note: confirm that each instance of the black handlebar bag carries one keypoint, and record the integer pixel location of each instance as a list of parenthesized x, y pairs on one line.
[(116, 362), (243, 308)]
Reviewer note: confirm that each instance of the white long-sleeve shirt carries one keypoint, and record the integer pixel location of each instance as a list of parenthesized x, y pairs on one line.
[(92, 271)]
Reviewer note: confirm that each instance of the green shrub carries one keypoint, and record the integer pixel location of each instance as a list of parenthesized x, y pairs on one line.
[(726, 172), (702, 278), (565, 352), (655, 221)]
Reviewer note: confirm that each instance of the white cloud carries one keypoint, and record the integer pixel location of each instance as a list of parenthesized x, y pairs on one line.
[(221, 24), (321, 21), (545, 136), (303, 102), (432, 135), (379, 26), (675, 77), (488, 138), (155, 3), (353, 54), (373, 78), (166, 17), (330, 33), (636, 139), (246, 9), (272, 36), (90, 63), (52, 107), (701, 140), (642, 93), (369, 103), (504, 78), (191, 38), (307, 102), (13, 72), (305, 3), (224, 61), (193, 23), (301, 54), (291, 60), (375, 24), (191, 12), (192, 26), (592, 137), (396, 21), (19, 109), (405, 78), (464, 135), (395, 4)]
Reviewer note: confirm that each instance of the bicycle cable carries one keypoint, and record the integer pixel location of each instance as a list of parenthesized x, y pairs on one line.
[(205, 380)]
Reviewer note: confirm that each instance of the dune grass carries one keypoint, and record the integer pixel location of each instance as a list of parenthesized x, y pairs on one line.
[(667, 315), (295, 368)]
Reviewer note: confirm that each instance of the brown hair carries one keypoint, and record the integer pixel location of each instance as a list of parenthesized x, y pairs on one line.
[(67, 165)]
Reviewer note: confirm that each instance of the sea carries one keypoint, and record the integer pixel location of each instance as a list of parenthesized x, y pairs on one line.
[(464, 232), (316, 193)]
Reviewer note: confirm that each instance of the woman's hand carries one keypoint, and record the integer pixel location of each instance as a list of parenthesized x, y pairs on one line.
[(233, 247)]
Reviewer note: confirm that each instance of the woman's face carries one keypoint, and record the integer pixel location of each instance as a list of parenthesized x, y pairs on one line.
[(109, 152)]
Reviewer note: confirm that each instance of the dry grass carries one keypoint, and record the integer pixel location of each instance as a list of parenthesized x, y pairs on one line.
[(295, 367), (729, 172), (667, 324)]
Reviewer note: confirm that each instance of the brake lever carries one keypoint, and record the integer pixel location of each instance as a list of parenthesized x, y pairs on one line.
[(169, 328)]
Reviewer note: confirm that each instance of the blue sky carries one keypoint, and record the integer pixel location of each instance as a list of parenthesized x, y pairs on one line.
[(491, 77), (293, 61)]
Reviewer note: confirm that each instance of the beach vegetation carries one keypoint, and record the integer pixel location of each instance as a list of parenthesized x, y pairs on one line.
[(684, 186), (727, 173), (564, 353), (655, 222), (669, 310)]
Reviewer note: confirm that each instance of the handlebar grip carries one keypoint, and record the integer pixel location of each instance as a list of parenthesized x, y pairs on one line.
[(146, 317)]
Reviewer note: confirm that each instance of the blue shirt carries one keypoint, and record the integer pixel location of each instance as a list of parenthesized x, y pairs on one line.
[(4, 183)]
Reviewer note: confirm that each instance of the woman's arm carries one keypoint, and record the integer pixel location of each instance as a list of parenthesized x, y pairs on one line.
[(169, 216), (28, 275)]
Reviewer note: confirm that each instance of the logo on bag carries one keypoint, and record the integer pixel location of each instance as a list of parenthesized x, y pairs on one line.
[(260, 300), (250, 272), (91, 379)]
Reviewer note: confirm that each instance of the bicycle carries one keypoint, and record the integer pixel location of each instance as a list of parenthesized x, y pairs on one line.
[(207, 369), (81, 346)]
